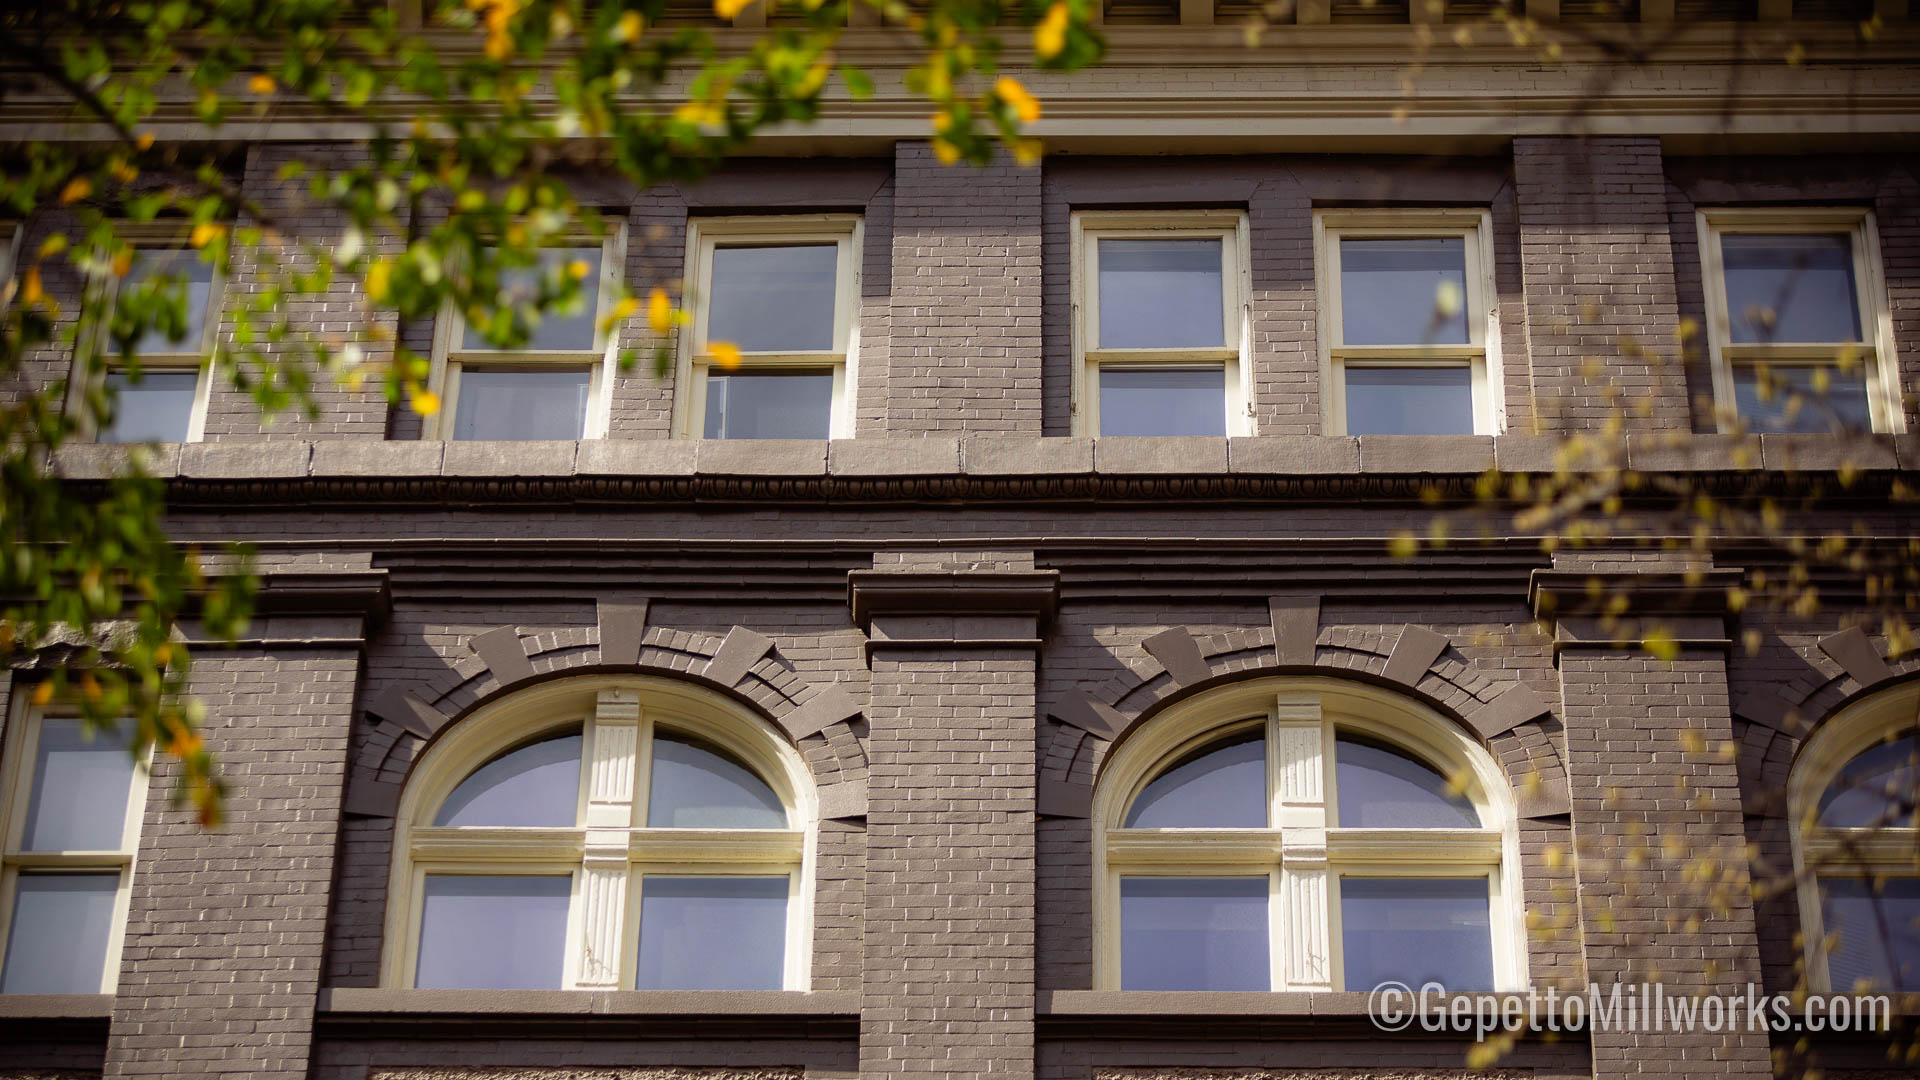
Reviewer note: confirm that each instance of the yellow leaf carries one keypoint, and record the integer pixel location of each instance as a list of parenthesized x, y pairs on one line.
[(144, 141), (724, 353), (124, 172), (262, 84), (1403, 545), (578, 269), (629, 27), (123, 262), (77, 188), (621, 312), (941, 122), (945, 151), (1026, 152), (42, 692), (1050, 36), (31, 291), (53, 245), (699, 114), (1662, 645), (1025, 105), (727, 9), (659, 311), (378, 274), (425, 402), (206, 233)]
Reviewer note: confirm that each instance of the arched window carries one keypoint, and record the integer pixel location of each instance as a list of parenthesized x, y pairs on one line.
[(1305, 834), (1857, 845), (604, 834)]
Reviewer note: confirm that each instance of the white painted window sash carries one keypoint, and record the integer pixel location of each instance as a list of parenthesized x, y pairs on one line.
[(694, 362), (607, 855), (450, 357), (1304, 854), (1875, 352), (1481, 354), (1088, 228), (21, 750)]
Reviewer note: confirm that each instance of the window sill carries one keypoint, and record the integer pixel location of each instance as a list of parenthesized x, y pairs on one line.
[(978, 466), (639, 1013), (56, 1006), (1223, 1014)]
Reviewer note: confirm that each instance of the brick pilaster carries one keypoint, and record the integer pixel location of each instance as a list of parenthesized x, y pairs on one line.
[(1597, 260), (964, 351), (1652, 806), (220, 972), (948, 979)]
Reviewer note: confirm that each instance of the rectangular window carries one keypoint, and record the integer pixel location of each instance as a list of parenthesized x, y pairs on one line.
[(712, 933), (493, 932), (1873, 933), (1797, 321), (1160, 323), (1194, 933), (775, 304), (553, 385), (162, 395), (1416, 931), (1408, 335), (71, 825)]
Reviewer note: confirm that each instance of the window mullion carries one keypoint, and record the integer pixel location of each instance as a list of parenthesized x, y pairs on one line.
[(604, 870), (1298, 764)]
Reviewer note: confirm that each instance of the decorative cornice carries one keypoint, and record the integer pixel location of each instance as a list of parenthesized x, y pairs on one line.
[(467, 491)]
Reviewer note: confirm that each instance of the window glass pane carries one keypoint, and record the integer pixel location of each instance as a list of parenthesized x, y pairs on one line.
[(773, 299), (1416, 931), (1405, 291), (1873, 938), (1163, 401), (1193, 934), (1790, 288), (493, 933), (1162, 294), (1223, 786), (543, 404), (58, 937), (1382, 788), (536, 785), (1876, 788), (1409, 400), (1788, 398), (80, 789), (571, 331), (157, 407), (769, 405), (181, 269), (712, 933), (694, 786)]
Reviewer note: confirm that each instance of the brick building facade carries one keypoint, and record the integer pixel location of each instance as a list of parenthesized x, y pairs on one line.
[(962, 617)]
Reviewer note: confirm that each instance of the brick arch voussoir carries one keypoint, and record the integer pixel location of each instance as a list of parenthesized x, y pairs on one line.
[(742, 664), (1416, 661)]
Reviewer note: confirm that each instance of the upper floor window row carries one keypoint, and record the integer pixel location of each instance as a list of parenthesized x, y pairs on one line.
[(1798, 330)]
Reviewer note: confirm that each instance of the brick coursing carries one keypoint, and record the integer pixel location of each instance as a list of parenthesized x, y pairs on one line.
[(1597, 262), (227, 928)]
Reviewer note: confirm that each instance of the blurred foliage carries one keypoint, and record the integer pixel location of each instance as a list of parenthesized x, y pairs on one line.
[(474, 119)]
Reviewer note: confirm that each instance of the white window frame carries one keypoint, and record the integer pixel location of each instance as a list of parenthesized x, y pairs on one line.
[(1303, 852), (1876, 351), (695, 362), (1480, 355), (606, 855), (451, 357), (21, 745), (1088, 228), (154, 236), (1876, 851)]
